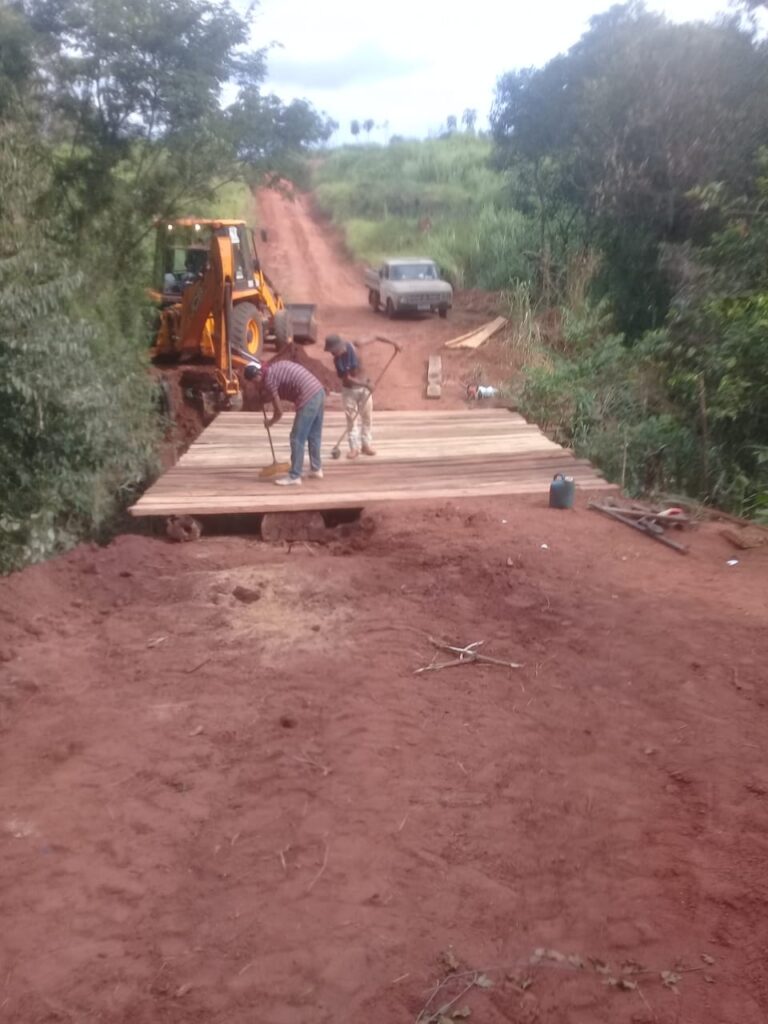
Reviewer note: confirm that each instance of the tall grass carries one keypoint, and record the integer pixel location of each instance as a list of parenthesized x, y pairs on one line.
[(439, 198)]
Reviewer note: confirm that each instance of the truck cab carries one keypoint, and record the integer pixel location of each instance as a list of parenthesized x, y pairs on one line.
[(408, 285)]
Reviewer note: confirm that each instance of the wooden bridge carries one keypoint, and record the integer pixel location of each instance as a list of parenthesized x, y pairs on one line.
[(427, 454)]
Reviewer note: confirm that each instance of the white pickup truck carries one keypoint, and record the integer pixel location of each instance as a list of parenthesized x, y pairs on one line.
[(408, 286)]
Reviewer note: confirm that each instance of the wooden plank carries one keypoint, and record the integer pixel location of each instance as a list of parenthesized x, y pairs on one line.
[(434, 377), (477, 338)]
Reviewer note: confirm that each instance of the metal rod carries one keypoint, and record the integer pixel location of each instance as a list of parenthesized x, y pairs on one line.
[(614, 514)]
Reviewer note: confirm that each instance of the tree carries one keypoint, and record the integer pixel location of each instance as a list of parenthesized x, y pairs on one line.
[(450, 123), (469, 119), (625, 124), (354, 127), (134, 90), (368, 126), (16, 58), (76, 417)]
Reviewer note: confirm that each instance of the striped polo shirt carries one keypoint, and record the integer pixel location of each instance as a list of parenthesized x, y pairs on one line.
[(291, 381)]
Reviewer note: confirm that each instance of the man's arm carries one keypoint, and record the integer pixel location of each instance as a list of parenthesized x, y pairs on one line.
[(348, 380), (277, 411)]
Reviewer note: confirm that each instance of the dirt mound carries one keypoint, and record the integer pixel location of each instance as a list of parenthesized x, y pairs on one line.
[(323, 371), (298, 354)]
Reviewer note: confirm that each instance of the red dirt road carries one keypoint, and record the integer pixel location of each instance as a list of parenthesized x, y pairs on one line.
[(306, 260), (220, 812)]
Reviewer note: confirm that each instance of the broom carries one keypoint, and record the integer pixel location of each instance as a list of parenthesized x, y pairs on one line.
[(277, 468)]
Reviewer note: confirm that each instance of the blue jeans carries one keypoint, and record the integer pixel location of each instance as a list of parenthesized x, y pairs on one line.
[(307, 430)]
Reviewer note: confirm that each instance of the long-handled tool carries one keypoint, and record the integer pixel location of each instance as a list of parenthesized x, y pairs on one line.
[(336, 451), (646, 526), (277, 468)]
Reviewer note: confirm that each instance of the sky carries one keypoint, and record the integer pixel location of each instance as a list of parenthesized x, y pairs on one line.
[(409, 64)]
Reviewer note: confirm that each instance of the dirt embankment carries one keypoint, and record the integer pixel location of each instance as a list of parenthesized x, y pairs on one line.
[(227, 796)]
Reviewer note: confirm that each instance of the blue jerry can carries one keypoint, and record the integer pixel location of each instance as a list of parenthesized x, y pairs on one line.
[(562, 491)]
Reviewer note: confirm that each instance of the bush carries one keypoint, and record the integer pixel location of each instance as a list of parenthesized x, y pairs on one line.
[(77, 421)]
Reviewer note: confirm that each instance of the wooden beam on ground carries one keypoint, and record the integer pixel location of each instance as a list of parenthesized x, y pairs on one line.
[(434, 377), (478, 337)]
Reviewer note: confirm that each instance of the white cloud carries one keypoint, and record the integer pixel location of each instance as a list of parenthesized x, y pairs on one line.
[(412, 63)]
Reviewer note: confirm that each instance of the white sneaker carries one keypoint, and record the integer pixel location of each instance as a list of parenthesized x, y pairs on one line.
[(315, 474), (287, 481)]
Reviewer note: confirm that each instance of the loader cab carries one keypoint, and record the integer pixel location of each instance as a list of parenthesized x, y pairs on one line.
[(182, 255)]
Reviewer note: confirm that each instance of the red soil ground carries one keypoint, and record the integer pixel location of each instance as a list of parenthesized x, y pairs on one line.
[(226, 812)]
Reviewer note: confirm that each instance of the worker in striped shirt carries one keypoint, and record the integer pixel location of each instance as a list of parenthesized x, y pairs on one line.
[(291, 382)]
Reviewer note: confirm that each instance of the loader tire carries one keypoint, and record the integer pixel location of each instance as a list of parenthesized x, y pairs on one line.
[(247, 328), (443, 312), (283, 334)]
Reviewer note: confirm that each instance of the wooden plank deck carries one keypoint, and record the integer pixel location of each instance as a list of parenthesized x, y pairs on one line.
[(421, 454)]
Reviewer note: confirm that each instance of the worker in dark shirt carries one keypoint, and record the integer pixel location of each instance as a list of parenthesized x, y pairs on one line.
[(356, 393), (292, 382)]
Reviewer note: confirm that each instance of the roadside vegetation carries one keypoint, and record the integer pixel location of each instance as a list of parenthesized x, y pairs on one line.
[(94, 148), (621, 204), (441, 197)]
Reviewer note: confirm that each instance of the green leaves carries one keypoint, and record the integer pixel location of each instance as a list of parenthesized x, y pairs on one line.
[(76, 419), (632, 121)]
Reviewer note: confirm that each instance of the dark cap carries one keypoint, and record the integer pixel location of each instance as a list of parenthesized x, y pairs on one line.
[(252, 369), (333, 341)]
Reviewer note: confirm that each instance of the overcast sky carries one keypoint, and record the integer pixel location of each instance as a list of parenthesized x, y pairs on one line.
[(411, 62)]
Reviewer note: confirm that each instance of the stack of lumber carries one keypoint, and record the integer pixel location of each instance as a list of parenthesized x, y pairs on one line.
[(479, 336)]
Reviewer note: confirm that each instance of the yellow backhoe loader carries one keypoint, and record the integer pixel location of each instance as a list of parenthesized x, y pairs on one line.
[(215, 303)]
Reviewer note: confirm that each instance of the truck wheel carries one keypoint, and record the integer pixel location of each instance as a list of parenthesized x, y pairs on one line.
[(247, 329), (282, 329), (390, 310), (443, 312), (373, 300)]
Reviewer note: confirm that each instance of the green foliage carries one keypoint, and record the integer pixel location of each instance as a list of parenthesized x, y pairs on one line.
[(624, 126), (136, 92), (76, 407), (439, 198), (111, 116)]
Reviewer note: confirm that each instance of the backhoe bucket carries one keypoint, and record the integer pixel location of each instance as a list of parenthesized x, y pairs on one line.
[(302, 319)]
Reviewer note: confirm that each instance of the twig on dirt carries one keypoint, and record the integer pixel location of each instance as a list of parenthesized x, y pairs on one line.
[(322, 869), (234, 838), (199, 665), (313, 764), (401, 978), (462, 767), (648, 1006), (649, 972), (466, 655), (422, 1019), (281, 855), (156, 641), (402, 823), (246, 968)]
